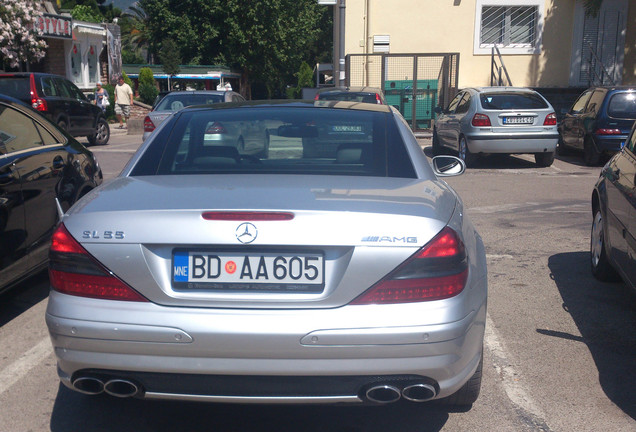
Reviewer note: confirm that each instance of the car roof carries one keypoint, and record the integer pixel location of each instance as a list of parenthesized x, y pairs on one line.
[(286, 103), (351, 89), (214, 92), (502, 89), (28, 74)]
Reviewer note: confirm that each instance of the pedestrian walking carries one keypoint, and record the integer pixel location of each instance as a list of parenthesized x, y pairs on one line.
[(123, 101), (101, 97)]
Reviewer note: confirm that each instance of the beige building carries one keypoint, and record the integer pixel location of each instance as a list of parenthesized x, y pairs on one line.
[(543, 43)]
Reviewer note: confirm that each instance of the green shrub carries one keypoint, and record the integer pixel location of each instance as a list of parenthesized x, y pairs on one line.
[(147, 92), (146, 76), (128, 80), (110, 109)]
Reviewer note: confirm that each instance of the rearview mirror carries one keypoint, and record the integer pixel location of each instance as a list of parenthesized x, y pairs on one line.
[(448, 166)]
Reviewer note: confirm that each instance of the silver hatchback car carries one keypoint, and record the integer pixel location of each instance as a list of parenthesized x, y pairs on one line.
[(485, 120), (202, 273)]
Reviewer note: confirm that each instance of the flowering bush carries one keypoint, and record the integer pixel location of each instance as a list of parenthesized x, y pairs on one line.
[(18, 33)]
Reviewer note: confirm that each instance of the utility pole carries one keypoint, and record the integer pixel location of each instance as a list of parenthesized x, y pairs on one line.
[(341, 58)]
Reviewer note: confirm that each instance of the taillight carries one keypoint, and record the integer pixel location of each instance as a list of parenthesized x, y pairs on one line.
[(437, 271), (377, 99), (37, 103), (608, 132), (550, 120), (73, 271), (149, 126), (481, 120), (216, 128), (317, 97)]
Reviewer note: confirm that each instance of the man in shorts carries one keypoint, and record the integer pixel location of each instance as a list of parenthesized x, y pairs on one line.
[(123, 101)]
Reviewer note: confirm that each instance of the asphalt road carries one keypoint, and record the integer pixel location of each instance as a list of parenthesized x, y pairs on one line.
[(560, 349)]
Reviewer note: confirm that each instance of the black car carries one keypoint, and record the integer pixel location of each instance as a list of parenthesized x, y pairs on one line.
[(598, 122), (38, 163), (613, 238), (60, 101)]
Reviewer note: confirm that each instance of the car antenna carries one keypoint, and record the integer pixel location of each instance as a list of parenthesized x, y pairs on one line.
[(60, 212)]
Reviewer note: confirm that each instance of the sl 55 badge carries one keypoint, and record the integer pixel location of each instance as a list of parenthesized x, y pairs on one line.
[(108, 235)]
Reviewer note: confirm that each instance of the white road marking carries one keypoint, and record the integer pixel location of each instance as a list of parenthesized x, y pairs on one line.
[(510, 378), (22, 366)]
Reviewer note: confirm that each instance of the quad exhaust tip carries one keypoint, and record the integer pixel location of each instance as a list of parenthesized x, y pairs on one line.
[(121, 388), (89, 385), (413, 392), (383, 394), (419, 392), (115, 387)]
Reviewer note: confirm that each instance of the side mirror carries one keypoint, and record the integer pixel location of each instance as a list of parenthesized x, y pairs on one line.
[(438, 110), (448, 166)]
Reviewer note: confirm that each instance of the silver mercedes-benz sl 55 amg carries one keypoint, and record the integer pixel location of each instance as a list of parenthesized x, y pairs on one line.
[(334, 267)]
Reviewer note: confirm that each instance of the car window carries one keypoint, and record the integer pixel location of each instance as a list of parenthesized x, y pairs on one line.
[(237, 98), (622, 105), (62, 88), (279, 140), (580, 103), (175, 102), (17, 87), (74, 91), (596, 100), (48, 86), (464, 104), (511, 101), (455, 102), (17, 131), (47, 138), (631, 144)]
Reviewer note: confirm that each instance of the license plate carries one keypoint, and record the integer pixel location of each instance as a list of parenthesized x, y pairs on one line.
[(346, 128), (518, 120), (254, 271)]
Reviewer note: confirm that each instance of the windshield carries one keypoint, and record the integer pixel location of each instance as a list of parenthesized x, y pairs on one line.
[(623, 105), (294, 140), (175, 102), (17, 87), (512, 101)]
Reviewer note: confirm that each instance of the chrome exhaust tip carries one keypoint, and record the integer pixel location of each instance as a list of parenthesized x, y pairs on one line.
[(383, 394), (88, 385), (419, 392), (121, 388)]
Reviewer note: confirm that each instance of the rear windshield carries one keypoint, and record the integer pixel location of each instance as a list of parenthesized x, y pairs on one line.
[(349, 96), (512, 101), (278, 140), (175, 102), (623, 105), (17, 87)]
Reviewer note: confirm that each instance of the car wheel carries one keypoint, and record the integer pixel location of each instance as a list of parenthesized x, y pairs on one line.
[(544, 159), (590, 155), (561, 149), (62, 125), (465, 154), (437, 148), (102, 133), (468, 394), (601, 267)]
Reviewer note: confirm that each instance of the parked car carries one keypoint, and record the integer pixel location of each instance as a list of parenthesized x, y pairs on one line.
[(352, 94), (38, 164), (176, 100), (613, 238), (353, 278), (598, 122), (60, 101), (508, 120)]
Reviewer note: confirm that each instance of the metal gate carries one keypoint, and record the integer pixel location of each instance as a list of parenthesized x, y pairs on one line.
[(414, 83)]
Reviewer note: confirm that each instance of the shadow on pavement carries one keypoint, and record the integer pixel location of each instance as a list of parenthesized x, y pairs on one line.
[(605, 314), (495, 161), (106, 413), (23, 296)]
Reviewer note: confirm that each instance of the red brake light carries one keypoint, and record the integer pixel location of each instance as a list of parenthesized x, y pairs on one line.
[(149, 126), (377, 99), (317, 97), (437, 271), (481, 120), (550, 120), (73, 271), (216, 128), (248, 216), (37, 103), (607, 132)]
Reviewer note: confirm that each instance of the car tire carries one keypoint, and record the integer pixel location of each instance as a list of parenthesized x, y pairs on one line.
[(468, 394), (561, 149), (62, 124), (437, 148), (601, 268), (544, 159), (464, 153), (102, 133), (591, 156)]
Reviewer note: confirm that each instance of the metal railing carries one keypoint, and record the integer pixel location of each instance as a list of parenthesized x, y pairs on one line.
[(497, 71), (594, 64)]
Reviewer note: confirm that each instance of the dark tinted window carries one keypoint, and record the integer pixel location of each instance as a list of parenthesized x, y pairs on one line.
[(349, 96), (595, 101), (622, 105), (48, 87), (17, 87), (17, 131), (511, 101), (175, 102), (464, 104), (251, 140)]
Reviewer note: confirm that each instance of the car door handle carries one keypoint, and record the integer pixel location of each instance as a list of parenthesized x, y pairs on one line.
[(58, 163)]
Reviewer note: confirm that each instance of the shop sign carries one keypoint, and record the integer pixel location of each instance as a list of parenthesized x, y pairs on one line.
[(55, 26)]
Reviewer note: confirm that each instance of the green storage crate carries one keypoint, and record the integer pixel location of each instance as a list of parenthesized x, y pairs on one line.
[(399, 93)]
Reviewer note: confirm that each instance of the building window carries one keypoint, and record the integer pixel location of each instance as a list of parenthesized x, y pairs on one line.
[(513, 26)]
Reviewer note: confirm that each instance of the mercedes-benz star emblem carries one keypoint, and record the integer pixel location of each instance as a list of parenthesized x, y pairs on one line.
[(246, 233)]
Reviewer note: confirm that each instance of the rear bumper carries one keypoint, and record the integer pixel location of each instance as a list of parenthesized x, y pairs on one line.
[(224, 361), (511, 143), (610, 143)]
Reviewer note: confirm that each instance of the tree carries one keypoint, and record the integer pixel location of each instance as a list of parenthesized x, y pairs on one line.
[(170, 58), (85, 13), (18, 33), (137, 34), (147, 86)]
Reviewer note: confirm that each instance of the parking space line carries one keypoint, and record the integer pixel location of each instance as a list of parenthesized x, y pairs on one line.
[(23, 365)]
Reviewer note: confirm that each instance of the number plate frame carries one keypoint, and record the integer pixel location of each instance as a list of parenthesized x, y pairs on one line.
[(232, 282), (518, 120)]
